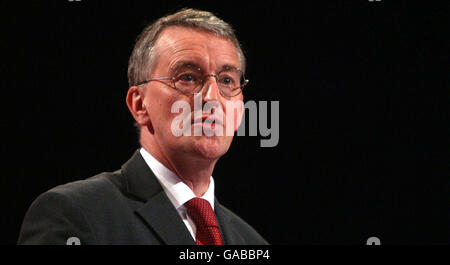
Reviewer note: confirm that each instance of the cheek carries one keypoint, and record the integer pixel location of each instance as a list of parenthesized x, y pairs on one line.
[(161, 101), (175, 119), (168, 115)]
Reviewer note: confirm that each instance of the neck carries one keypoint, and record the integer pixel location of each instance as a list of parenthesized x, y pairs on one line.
[(195, 172)]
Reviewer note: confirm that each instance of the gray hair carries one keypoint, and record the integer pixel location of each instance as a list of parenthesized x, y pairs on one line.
[(142, 58)]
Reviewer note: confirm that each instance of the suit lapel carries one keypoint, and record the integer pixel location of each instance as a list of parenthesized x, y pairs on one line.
[(161, 215), (158, 212), (229, 233)]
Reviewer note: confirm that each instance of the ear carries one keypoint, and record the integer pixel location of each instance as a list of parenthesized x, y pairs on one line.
[(135, 103)]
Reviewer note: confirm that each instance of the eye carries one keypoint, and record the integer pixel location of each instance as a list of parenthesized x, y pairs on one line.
[(226, 80), (188, 77)]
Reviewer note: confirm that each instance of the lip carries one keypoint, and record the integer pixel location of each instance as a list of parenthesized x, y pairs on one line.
[(217, 120)]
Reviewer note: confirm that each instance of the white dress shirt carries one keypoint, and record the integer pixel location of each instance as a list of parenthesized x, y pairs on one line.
[(177, 191)]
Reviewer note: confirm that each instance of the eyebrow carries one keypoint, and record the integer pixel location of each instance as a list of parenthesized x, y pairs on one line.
[(228, 66), (183, 63)]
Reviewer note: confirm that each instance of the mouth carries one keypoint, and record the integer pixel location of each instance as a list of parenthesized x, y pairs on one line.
[(208, 121), (211, 123)]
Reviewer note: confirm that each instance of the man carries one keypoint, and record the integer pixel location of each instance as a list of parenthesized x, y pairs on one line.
[(165, 193)]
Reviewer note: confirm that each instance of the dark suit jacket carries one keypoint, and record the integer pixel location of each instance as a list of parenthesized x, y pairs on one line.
[(127, 206)]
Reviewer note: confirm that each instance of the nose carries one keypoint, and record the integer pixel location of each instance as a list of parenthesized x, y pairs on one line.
[(211, 90)]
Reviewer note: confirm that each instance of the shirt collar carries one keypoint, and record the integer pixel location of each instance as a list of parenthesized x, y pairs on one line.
[(177, 191)]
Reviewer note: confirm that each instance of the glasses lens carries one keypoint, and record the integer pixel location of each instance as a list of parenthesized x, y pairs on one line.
[(188, 79), (230, 81)]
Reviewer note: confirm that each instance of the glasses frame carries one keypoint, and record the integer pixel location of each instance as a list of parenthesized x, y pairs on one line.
[(203, 80)]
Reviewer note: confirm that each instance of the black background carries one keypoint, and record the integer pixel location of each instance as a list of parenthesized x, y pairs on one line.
[(364, 118)]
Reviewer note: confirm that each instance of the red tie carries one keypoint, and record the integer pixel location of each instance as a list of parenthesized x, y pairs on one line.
[(207, 226)]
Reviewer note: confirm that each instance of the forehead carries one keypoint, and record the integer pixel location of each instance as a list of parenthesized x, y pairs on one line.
[(211, 52)]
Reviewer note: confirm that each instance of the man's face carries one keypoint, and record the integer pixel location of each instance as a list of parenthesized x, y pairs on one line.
[(174, 46)]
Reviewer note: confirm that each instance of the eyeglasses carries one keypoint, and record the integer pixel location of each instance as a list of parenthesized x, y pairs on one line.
[(190, 79)]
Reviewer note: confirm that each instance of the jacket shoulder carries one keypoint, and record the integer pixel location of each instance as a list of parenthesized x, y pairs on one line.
[(64, 211), (100, 183)]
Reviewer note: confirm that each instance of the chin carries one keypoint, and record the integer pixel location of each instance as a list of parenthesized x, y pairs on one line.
[(211, 147)]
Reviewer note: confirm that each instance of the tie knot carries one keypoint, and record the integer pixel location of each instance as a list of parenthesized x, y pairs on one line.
[(202, 212)]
